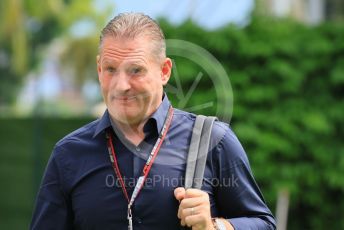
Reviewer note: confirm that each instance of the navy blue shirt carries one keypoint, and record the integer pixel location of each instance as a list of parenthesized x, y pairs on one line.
[(80, 190)]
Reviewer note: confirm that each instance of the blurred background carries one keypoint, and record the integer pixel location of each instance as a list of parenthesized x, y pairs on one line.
[(284, 60)]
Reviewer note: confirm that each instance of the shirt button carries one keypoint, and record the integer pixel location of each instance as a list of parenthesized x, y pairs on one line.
[(139, 221), (138, 149)]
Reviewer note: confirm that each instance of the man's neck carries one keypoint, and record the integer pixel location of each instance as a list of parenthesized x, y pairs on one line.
[(133, 132)]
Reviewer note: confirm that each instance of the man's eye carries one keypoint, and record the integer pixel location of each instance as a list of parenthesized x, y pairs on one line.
[(135, 70), (110, 69)]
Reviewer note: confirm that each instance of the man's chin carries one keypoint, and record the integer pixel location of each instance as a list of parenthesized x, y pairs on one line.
[(128, 118)]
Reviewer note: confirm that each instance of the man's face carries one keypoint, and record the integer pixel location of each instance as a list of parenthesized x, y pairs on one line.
[(131, 78)]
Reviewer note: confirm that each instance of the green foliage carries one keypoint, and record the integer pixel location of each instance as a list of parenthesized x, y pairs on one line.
[(288, 87)]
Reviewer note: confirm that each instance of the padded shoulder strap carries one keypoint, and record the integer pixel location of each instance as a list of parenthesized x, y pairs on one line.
[(198, 151)]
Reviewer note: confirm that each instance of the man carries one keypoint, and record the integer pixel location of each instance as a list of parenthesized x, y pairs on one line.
[(118, 172)]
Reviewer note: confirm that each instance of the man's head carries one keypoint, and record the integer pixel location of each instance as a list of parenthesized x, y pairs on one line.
[(132, 67)]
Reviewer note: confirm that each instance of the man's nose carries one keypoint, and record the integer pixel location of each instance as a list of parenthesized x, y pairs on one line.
[(122, 82)]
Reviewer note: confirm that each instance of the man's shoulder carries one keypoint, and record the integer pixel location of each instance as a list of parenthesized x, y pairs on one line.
[(218, 130), (184, 114)]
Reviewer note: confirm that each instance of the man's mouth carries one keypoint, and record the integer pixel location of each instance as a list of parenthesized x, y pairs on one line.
[(123, 98)]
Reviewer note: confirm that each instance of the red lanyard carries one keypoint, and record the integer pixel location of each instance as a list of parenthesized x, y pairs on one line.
[(146, 168)]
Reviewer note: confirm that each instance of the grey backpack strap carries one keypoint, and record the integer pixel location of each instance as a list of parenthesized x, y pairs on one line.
[(203, 152), (198, 151), (193, 151)]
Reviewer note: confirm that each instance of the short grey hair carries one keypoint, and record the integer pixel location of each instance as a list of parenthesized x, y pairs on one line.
[(133, 25)]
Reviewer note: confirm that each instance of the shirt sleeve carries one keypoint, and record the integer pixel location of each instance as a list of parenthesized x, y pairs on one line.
[(238, 197), (51, 209)]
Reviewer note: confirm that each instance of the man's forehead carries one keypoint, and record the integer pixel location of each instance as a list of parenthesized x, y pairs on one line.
[(125, 48)]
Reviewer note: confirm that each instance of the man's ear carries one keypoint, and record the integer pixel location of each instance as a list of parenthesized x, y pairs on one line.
[(99, 69), (166, 69)]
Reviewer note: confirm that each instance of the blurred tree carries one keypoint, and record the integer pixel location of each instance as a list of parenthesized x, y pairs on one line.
[(26, 27)]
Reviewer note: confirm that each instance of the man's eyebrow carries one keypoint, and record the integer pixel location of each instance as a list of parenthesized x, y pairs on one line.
[(138, 63), (107, 61)]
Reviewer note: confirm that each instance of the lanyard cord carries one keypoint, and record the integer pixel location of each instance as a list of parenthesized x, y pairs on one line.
[(148, 165)]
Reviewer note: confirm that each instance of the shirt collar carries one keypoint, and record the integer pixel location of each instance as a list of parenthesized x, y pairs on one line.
[(158, 116), (104, 122)]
